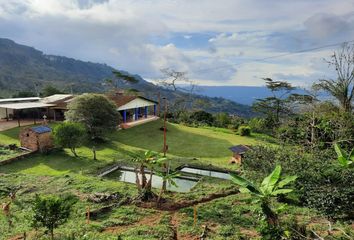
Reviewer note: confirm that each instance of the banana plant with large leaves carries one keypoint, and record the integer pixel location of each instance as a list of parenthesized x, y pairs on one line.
[(148, 161), (345, 159), (168, 177), (271, 186)]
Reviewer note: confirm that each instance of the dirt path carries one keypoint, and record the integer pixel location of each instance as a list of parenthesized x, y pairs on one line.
[(174, 206)]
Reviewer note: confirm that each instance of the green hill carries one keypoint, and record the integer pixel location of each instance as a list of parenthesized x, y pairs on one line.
[(24, 68)]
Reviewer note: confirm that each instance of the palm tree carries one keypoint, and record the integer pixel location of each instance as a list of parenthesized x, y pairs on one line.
[(341, 88), (272, 186)]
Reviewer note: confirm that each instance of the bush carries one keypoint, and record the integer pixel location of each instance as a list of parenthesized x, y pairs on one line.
[(202, 118), (244, 130), (258, 125), (51, 211), (321, 184)]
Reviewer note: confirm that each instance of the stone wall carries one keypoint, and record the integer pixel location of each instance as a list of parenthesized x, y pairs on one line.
[(13, 159)]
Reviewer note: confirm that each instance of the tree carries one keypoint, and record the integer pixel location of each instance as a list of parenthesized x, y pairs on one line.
[(24, 94), (149, 161), (202, 117), (51, 211), (341, 88), (69, 135), (273, 107), (97, 113), (222, 119), (271, 186), (178, 81), (120, 78), (50, 90), (167, 176)]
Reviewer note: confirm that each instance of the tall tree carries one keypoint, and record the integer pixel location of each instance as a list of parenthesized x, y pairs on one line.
[(178, 81), (341, 88), (120, 78), (96, 112), (277, 104)]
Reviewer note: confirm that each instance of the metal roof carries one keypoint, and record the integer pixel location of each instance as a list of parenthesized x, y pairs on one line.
[(240, 149), (28, 99), (25, 105), (41, 129), (57, 98)]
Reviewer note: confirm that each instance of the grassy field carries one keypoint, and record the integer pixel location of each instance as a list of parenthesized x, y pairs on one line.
[(59, 172), (186, 145)]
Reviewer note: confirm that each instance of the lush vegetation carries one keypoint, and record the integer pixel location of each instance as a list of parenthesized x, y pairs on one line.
[(296, 181)]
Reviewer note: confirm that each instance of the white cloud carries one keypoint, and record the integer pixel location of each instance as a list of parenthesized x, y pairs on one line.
[(120, 33)]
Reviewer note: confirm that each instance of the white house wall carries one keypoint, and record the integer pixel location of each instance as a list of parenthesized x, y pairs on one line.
[(3, 112), (136, 103)]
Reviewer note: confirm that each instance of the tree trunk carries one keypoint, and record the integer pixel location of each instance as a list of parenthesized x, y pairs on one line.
[(149, 183), (271, 216), (52, 233), (143, 177), (160, 196), (74, 152), (137, 181)]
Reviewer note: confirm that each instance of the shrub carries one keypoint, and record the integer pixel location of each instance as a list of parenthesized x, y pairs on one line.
[(258, 125), (51, 211), (69, 135), (244, 130), (202, 117), (321, 184)]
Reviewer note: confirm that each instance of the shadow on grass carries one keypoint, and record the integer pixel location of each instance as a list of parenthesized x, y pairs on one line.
[(52, 164)]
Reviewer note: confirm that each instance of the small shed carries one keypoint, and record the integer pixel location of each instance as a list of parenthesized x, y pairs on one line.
[(37, 138), (237, 153)]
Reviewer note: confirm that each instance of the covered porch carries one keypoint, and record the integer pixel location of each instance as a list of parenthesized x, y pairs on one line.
[(134, 108), (25, 112)]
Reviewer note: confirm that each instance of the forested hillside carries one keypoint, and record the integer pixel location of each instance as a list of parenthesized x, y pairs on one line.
[(24, 68)]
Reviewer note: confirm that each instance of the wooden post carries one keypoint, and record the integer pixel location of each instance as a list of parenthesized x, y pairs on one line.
[(195, 215), (7, 115), (18, 118)]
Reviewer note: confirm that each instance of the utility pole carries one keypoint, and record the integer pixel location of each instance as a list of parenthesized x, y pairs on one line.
[(164, 129), (164, 143)]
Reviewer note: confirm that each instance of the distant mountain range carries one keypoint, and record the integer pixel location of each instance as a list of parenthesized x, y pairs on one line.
[(24, 68), (241, 94)]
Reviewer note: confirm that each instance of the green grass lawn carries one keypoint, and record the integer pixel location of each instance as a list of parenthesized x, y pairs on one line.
[(205, 146), (59, 172)]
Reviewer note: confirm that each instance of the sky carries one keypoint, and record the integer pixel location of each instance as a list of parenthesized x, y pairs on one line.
[(215, 42)]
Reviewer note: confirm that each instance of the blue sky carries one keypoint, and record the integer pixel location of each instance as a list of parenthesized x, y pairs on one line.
[(216, 42)]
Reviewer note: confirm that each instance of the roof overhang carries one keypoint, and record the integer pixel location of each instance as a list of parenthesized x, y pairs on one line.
[(137, 103), (26, 105)]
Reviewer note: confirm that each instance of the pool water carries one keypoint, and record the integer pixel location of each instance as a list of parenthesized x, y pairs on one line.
[(208, 173), (184, 184)]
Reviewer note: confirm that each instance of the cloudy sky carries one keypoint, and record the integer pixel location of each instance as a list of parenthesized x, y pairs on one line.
[(218, 42)]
